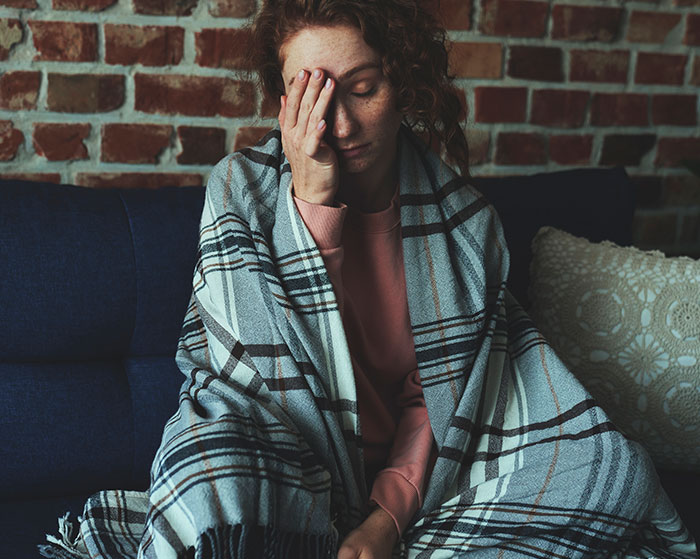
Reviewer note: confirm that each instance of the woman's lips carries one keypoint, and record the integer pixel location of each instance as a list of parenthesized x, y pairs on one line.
[(354, 151)]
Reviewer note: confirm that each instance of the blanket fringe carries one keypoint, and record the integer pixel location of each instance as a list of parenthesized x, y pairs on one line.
[(67, 546), (254, 542)]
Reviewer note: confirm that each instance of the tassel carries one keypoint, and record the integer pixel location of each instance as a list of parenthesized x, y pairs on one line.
[(67, 546)]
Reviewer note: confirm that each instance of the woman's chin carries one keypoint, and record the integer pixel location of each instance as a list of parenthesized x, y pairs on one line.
[(365, 163)]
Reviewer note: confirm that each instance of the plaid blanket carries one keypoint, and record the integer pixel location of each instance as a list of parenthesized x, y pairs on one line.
[(264, 457)]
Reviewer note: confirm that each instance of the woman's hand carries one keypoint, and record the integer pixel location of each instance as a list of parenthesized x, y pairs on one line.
[(373, 539), (302, 114)]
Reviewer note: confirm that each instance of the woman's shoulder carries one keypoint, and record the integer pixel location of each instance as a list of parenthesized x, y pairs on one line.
[(266, 153), (250, 174)]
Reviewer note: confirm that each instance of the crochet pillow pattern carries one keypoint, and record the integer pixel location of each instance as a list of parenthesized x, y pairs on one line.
[(627, 324)]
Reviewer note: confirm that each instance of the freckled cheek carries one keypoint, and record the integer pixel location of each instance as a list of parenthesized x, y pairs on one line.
[(381, 116)]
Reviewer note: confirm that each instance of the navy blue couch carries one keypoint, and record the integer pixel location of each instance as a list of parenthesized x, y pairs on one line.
[(93, 288)]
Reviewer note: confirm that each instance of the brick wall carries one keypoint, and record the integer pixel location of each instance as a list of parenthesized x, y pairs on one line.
[(153, 92)]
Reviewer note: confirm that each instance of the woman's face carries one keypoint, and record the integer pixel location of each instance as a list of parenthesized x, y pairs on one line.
[(363, 122)]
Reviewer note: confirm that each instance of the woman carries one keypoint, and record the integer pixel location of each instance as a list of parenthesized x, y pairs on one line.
[(359, 381)]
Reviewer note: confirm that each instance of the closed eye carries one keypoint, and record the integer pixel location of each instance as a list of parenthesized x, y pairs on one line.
[(364, 93)]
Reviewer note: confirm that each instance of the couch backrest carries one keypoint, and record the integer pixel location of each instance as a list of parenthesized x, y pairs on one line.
[(93, 289), (94, 286), (597, 204)]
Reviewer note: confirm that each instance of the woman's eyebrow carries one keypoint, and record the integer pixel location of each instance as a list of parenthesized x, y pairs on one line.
[(356, 69), (346, 75)]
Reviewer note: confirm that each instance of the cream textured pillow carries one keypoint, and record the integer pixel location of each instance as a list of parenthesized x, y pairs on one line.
[(627, 323)]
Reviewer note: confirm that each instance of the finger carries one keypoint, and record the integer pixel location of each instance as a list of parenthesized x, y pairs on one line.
[(294, 98), (314, 139), (309, 99), (320, 110), (281, 114)]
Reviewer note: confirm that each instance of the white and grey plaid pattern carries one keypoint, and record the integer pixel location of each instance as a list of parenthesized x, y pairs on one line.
[(264, 456)]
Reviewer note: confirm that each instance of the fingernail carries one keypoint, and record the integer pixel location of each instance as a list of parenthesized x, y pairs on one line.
[(301, 75), (317, 74), (329, 83), (321, 124)]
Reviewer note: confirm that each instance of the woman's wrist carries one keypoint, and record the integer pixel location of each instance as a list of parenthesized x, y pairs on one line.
[(318, 198), (383, 521)]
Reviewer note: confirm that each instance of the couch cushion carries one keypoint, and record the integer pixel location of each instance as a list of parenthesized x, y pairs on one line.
[(164, 226), (24, 523), (68, 289), (627, 323), (94, 296), (64, 428)]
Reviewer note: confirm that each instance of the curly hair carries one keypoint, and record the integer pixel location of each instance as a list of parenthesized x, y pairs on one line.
[(409, 40)]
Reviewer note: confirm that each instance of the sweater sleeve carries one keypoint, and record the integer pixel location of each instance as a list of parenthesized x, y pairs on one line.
[(399, 487), (325, 223)]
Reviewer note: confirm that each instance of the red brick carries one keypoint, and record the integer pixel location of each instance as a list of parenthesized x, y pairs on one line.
[(671, 152), (692, 30), (619, 109), (680, 110), (134, 143), (10, 140), (64, 41), (599, 66), (626, 149), (651, 27), (514, 18), (223, 48), (137, 180), (521, 148), (695, 77), (660, 68), (33, 177), (476, 60), (149, 45), (232, 8), (83, 5), (478, 142), (19, 90), (194, 95), (22, 4), (559, 107), (11, 33), (165, 7), (452, 14), (85, 93), (654, 229), (61, 142), (568, 149), (248, 135), (682, 190), (536, 63), (586, 23), (201, 145), (500, 104)]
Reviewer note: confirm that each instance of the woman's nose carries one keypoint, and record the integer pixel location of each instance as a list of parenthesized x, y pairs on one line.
[(342, 120)]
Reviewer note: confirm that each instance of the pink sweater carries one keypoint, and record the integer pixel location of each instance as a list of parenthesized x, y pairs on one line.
[(364, 258)]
